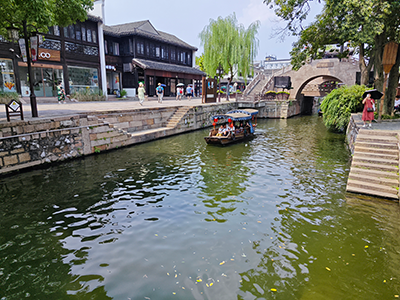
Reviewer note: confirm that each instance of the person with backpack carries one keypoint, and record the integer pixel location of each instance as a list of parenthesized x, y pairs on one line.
[(160, 93)]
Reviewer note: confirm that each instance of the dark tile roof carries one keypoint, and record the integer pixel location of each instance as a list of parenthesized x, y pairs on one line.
[(94, 18), (133, 29), (154, 65)]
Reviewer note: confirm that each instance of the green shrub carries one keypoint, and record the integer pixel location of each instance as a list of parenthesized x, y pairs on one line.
[(283, 92), (88, 95), (339, 104), (6, 97), (123, 93), (270, 93)]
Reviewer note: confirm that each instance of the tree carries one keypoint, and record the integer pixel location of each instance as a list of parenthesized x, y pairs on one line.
[(229, 47), (200, 63), (339, 104), (367, 25), (31, 17)]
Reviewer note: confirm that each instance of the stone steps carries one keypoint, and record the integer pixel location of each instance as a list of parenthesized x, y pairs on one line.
[(375, 165), (174, 120)]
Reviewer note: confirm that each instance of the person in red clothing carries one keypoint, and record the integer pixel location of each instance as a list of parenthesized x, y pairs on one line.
[(368, 112)]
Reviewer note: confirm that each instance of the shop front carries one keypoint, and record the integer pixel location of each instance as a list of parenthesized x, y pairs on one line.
[(45, 79), (83, 79), (113, 80), (7, 76)]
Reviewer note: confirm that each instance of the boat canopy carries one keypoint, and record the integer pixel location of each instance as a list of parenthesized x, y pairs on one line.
[(233, 116), (249, 111)]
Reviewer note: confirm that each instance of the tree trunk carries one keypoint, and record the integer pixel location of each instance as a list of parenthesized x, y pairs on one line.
[(28, 54), (364, 69), (378, 66), (391, 90)]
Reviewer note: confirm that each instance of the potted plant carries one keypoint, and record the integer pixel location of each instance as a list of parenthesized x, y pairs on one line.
[(123, 94), (283, 95), (270, 95)]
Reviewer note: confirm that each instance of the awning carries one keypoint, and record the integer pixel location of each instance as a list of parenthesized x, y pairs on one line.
[(165, 67)]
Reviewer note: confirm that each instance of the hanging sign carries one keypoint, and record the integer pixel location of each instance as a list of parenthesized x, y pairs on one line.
[(23, 49), (34, 48)]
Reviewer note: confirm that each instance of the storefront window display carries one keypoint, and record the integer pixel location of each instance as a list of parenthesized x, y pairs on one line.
[(45, 80), (83, 79), (7, 77)]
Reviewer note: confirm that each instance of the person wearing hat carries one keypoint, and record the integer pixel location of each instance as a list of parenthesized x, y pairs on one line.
[(160, 92), (141, 93)]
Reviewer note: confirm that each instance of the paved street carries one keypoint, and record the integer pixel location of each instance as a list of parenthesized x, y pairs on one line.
[(54, 109)]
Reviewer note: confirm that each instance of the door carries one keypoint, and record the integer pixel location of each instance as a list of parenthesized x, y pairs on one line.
[(48, 83)]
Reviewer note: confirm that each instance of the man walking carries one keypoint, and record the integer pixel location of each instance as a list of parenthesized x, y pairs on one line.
[(160, 93)]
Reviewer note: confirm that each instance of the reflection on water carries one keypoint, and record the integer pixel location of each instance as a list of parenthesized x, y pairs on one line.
[(176, 219)]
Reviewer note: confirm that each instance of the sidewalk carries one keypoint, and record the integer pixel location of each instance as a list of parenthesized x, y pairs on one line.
[(54, 109), (384, 125)]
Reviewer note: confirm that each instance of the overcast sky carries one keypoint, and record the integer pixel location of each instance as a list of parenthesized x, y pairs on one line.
[(186, 19)]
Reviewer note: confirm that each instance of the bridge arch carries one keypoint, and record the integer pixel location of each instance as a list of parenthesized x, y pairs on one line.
[(342, 71), (300, 89)]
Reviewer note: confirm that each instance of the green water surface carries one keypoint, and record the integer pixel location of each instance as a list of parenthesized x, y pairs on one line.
[(177, 219)]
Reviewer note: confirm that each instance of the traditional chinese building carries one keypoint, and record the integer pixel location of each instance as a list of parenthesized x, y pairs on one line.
[(69, 54), (137, 52)]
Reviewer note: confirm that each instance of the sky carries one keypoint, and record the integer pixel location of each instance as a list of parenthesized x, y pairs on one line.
[(186, 19)]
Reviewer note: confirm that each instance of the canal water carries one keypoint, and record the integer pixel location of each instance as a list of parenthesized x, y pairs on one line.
[(177, 219)]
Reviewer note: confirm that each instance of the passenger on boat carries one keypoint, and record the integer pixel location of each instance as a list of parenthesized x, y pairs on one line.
[(233, 131), (227, 130), (221, 131)]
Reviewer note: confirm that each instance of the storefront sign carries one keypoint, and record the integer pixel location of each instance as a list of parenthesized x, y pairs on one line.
[(48, 54), (34, 48), (23, 49)]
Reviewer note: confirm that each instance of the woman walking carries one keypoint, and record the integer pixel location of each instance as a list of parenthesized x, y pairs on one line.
[(141, 92), (368, 112)]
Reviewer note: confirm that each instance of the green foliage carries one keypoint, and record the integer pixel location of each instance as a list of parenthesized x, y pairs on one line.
[(123, 93), (6, 97), (38, 15), (283, 92), (229, 47), (200, 62), (88, 95), (270, 93), (339, 104)]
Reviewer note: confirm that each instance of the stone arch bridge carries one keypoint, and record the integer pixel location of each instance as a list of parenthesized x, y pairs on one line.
[(303, 90)]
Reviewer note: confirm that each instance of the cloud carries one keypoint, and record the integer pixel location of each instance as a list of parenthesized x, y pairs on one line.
[(256, 10)]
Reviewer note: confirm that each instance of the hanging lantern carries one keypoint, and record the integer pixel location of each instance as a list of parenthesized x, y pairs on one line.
[(231, 124), (215, 120), (214, 124), (229, 120)]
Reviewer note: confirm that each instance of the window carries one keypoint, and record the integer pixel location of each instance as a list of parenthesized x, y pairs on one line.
[(66, 32), (83, 33), (130, 46), (157, 51), (89, 35), (140, 47), (116, 48), (94, 36), (147, 49), (78, 32), (105, 47), (173, 54), (71, 31), (83, 79), (56, 30), (7, 78), (51, 30), (189, 60)]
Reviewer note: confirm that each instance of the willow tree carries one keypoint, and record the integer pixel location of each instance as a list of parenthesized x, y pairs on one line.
[(229, 47), (30, 17)]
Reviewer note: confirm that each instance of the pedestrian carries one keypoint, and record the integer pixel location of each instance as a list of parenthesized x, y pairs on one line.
[(60, 93), (179, 93), (189, 92), (368, 111), (141, 93), (160, 92)]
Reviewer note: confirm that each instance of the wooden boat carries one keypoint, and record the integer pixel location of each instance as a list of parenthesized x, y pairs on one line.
[(245, 116)]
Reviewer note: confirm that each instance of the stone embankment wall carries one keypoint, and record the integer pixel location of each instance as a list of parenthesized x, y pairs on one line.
[(275, 109), (25, 144), (352, 132)]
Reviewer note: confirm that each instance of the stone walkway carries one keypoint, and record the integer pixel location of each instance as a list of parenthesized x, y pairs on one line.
[(384, 125), (47, 110)]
